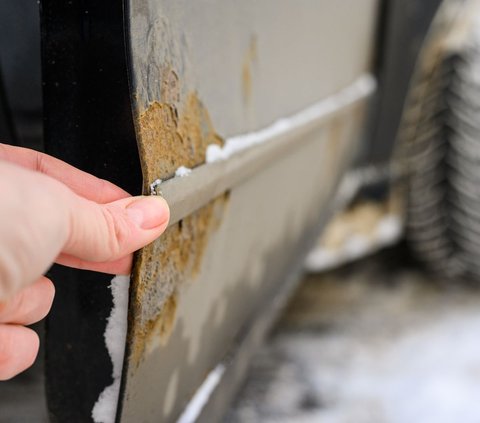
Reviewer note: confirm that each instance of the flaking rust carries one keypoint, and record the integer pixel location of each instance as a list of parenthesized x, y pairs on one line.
[(161, 269), (248, 62), (168, 139)]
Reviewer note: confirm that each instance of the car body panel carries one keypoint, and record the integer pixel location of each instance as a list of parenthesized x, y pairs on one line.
[(201, 74)]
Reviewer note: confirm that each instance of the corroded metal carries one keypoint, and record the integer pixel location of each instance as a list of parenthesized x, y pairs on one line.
[(200, 73), (161, 270)]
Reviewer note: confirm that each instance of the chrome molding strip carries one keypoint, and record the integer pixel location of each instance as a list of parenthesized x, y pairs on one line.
[(243, 156), (202, 395)]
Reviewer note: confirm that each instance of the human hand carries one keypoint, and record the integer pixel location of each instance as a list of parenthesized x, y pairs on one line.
[(53, 212)]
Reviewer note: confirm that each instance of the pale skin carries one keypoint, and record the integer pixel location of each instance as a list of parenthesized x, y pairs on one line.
[(50, 213)]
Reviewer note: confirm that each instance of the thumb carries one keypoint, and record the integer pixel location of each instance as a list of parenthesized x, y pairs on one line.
[(40, 218), (107, 232)]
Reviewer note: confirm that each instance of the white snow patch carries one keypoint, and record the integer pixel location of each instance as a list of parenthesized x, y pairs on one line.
[(203, 393), (104, 410), (361, 87), (388, 230), (356, 246), (183, 171), (397, 352), (430, 374)]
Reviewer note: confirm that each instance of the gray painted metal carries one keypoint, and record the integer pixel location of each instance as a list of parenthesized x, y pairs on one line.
[(187, 194), (298, 54), (251, 63)]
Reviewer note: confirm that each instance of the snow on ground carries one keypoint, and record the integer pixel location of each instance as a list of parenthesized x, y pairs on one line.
[(370, 343)]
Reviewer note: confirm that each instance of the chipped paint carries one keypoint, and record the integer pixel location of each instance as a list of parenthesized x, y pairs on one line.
[(248, 62), (169, 139), (162, 268), (162, 32), (158, 331), (170, 87), (173, 136)]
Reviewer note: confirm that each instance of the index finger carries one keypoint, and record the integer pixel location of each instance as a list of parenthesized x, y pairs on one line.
[(82, 183)]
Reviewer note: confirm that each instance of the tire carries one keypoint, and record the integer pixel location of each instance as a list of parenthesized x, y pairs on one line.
[(440, 145)]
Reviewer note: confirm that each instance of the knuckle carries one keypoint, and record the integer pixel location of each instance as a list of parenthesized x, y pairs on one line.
[(40, 162), (118, 233)]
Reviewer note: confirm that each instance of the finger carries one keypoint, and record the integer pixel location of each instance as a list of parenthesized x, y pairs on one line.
[(122, 266), (105, 233), (29, 305), (18, 350), (33, 226), (43, 218), (82, 183)]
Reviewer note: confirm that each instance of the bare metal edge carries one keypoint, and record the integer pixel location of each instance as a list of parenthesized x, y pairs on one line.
[(206, 182)]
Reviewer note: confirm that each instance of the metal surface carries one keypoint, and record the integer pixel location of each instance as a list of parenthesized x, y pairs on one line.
[(200, 74), (248, 63), (243, 265), (185, 195)]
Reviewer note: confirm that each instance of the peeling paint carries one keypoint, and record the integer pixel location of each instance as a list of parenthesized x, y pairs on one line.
[(169, 139), (161, 270), (248, 62), (170, 87), (173, 136), (158, 331)]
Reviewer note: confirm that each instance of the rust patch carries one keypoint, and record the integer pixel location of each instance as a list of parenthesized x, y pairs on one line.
[(170, 135), (248, 61), (157, 332), (169, 139), (161, 269), (170, 88)]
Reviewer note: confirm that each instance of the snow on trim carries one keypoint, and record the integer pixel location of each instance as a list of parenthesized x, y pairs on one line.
[(363, 86)]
